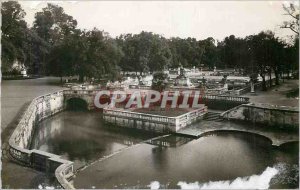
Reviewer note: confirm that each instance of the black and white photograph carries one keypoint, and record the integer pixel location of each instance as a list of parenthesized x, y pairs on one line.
[(149, 94)]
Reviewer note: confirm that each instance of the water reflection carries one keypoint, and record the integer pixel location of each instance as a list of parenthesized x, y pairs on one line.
[(222, 156), (170, 141), (218, 157), (82, 137)]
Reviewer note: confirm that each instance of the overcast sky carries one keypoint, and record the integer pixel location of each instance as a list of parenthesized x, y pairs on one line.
[(198, 19)]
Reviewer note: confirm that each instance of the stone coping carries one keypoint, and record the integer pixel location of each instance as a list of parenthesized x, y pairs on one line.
[(273, 107), (131, 111)]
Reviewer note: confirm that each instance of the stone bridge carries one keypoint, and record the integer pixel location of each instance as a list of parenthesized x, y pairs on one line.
[(87, 96)]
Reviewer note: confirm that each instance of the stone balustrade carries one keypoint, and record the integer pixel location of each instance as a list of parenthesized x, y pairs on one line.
[(150, 122), (19, 143)]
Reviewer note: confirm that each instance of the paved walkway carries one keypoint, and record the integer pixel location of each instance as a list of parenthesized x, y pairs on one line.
[(276, 95), (15, 97), (278, 137)]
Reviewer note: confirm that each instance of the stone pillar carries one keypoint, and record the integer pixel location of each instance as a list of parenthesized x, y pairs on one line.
[(252, 87), (225, 86)]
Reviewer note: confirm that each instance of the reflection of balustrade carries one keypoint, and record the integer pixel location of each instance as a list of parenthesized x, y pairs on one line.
[(80, 92)]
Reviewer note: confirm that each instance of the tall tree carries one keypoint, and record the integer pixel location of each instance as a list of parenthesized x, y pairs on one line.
[(52, 25), (208, 53), (267, 52), (13, 34), (144, 52)]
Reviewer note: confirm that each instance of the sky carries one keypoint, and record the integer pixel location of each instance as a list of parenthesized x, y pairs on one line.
[(196, 19)]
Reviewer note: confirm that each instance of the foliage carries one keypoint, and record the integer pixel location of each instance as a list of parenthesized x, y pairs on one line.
[(159, 81), (144, 52), (13, 34), (293, 12), (55, 46)]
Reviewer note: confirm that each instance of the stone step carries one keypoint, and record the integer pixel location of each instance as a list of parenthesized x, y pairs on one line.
[(212, 116), (214, 119), (207, 115), (213, 113)]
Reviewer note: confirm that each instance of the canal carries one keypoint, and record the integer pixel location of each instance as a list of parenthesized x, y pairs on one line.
[(223, 159)]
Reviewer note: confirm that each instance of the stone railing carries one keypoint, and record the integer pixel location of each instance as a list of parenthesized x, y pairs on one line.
[(19, 143), (219, 97), (242, 91), (226, 98), (257, 86), (81, 92), (173, 123)]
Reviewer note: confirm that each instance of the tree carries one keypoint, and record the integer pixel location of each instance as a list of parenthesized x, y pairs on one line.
[(13, 34), (102, 55), (52, 25), (267, 52), (293, 11), (159, 81), (234, 53), (186, 52), (64, 56), (208, 52), (291, 58), (144, 52), (86, 54), (259, 54)]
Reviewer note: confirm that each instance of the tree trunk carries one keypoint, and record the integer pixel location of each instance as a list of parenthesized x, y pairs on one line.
[(270, 79), (61, 80), (264, 88), (276, 77), (81, 77)]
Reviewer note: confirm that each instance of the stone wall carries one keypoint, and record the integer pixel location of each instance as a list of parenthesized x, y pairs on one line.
[(149, 122), (281, 116), (20, 141)]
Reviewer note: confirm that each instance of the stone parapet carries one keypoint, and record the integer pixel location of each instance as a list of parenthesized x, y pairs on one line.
[(19, 143)]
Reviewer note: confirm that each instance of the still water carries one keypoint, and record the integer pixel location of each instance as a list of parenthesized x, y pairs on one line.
[(223, 159)]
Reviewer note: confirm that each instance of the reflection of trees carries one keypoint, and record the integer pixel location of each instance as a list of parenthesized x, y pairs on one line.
[(82, 136), (46, 130), (160, 151)]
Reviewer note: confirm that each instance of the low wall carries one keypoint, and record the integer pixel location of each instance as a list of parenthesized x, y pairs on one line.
[(281, 116), (149, 122), (20, 140), (257, 86), (223, 102)]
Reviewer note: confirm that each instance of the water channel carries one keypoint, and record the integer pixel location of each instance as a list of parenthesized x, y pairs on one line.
[(223, 159)]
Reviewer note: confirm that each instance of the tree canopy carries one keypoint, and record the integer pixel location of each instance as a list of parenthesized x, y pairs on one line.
[(54, 45)]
